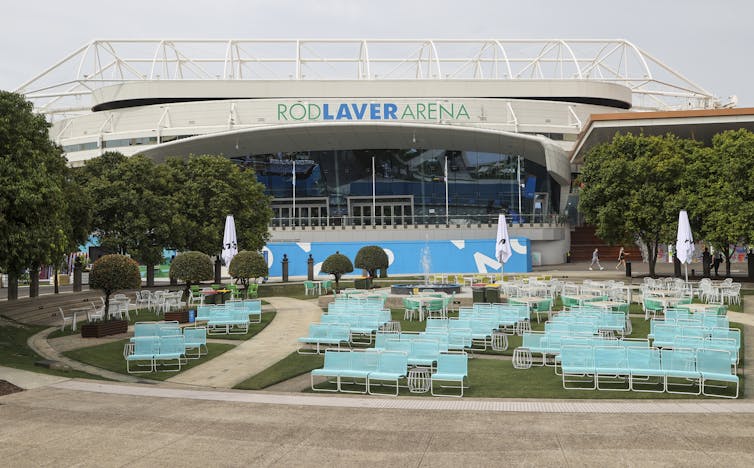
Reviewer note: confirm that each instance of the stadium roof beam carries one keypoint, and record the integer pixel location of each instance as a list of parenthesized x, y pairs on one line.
[(63, 87)]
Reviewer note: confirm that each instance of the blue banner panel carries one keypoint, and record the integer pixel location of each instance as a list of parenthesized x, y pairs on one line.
[(406, 257)]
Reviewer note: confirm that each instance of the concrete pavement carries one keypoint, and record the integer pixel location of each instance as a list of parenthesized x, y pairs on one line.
[(95, 424)]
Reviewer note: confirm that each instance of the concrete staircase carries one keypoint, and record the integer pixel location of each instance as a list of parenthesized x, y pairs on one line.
[(584, 240)]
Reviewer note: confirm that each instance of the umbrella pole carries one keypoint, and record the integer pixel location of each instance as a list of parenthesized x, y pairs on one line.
[(686, 268)]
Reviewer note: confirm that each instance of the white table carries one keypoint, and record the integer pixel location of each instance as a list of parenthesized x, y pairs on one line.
[(75, 311)]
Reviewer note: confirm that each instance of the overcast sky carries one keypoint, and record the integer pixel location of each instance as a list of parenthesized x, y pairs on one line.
[(710, 42)]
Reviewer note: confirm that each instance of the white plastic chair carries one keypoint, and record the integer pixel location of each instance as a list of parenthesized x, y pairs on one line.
[(65, 319), (95, 313)]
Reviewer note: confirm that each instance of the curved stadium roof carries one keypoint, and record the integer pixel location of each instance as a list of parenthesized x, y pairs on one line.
[(68, 87)]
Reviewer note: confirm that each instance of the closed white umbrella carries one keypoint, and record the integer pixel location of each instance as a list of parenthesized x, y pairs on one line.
[(230, 242), (502, 242), (684, 244)]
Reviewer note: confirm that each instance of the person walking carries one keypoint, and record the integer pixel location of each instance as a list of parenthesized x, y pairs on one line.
[(717, 259), (621, 258), (596, 260)]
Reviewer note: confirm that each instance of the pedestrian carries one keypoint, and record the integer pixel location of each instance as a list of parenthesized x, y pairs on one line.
[(717, 259), (706, 261), (621, 258), (596, 260)]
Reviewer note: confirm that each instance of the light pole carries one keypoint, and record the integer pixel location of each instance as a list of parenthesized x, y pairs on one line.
[(374, 193)]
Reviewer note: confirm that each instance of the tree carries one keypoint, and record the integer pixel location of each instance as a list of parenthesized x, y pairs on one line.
[(77, 224), (33, 207), (207, 189), (337, 265), (247, 264), (191, 267), (113, 272), (634, 186), (134, 207), (371, 258), (724, 201)]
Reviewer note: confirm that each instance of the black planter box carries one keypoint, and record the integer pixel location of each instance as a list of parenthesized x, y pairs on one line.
[(180, 316), (100, 329), (363, 283)]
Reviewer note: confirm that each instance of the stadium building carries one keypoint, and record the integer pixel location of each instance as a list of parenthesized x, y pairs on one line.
[(415, 145)]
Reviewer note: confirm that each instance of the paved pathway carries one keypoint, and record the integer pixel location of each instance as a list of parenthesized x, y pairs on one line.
[(42, 347), (272, 344)]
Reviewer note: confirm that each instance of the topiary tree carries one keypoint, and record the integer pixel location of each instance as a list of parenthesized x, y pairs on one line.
[(246, 265), (113, 272), (191, 267), (337, 265), (371, 258)]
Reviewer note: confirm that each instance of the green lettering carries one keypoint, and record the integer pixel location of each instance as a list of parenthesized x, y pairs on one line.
[(281, 112), (312, 115), (462, 111), (431, 110), (444, 111), (407, 112), (420, 111), (302, 113)]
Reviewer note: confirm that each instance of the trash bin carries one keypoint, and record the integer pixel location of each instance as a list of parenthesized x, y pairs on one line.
[(477, 294), (628, 268), (492, 294)]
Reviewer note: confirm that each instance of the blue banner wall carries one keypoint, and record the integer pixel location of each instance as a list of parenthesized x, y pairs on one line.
[(406, 257)]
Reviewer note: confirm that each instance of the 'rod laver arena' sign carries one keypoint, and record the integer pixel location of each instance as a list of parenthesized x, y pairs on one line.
[(373, 111)]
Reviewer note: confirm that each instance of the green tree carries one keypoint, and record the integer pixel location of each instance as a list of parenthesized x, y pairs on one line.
[(337, 265), (246, 265), (724, 201), (371, 258), (634, 187), (113, 272), (191, 267), (77, 224), (207, 189), (33, 207), (134, 209)]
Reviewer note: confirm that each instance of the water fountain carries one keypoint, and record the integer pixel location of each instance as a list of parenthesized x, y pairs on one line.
[(426, 263)]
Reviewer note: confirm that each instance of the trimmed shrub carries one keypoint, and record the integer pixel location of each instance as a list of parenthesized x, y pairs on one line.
[(337, 265), (246, 265), (113, 272), (191, 267), (371, 258)]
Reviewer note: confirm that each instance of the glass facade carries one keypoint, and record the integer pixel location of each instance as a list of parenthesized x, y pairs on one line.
[(403, 186)]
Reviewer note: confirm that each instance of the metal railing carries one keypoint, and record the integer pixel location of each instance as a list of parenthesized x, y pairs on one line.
[(550, 219)]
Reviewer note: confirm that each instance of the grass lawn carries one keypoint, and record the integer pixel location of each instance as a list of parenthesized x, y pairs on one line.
[(291, 366), (110, 356), (15, 353)]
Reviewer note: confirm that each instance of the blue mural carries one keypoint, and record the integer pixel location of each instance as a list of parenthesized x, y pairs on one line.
[(448, 256)]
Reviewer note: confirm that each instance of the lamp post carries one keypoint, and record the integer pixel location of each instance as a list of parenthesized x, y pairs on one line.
[(374, 193), (518, 182), (293, 182)]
